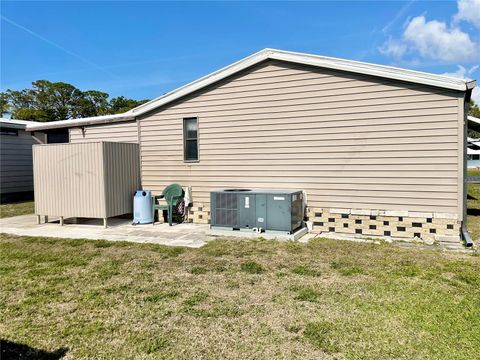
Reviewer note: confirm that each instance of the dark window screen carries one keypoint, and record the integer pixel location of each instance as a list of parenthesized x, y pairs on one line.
[(57, 136), (190, 139)]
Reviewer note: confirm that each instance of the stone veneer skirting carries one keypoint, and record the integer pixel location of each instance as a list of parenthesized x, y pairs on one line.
[(378, 223), (369, 223)]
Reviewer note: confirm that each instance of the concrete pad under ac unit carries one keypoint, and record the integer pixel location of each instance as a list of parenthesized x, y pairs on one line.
[(250, 233)]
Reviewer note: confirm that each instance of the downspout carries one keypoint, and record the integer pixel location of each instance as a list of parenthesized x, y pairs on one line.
[(467, 239)]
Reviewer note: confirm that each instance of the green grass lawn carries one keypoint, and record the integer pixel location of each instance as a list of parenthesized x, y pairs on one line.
[(15, 209), (472, 172), (239, 299)]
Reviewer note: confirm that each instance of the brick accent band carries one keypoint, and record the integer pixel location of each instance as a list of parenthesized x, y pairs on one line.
[(377, 223), (199, 213)]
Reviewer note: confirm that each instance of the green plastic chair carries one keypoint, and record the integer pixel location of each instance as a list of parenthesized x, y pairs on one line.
[(172, 193)]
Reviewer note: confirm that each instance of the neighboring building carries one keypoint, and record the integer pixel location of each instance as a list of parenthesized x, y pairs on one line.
[(379, 150), (473, 145), (16, 174), (473, 153)]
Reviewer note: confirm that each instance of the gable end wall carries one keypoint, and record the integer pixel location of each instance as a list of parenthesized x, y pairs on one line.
[(351, 141)]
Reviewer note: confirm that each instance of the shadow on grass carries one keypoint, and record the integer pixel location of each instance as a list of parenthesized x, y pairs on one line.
[(473, 212), (11, 350)]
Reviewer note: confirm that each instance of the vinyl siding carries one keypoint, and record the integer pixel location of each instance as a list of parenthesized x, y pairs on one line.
[(350, 141), (116, 132), (16, 174)]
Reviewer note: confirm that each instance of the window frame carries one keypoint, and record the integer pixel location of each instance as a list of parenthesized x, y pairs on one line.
[(185, 139)]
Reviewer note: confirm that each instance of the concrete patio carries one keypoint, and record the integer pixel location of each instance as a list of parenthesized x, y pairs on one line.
[(188, 235), (119, 229)]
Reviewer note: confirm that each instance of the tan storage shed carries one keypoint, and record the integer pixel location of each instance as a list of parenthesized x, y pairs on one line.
[(89, 180)]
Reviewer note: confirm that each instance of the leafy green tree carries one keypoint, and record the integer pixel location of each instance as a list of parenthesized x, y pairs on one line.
[(30, 114), (22, 99), (121, 104), (92, 103), (4, 105), (49, 101), (474, 110)]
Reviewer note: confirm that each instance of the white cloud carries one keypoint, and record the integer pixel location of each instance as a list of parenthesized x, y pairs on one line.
[(435, 40), (394, 48), (462, 72), (469, 10)]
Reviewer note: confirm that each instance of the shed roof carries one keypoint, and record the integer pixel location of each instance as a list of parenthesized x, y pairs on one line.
[(383, 71)]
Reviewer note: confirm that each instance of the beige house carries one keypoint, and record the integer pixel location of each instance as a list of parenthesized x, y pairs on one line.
[(380, 151)]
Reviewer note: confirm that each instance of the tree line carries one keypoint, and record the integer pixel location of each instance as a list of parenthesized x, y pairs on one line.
[(49, 101)]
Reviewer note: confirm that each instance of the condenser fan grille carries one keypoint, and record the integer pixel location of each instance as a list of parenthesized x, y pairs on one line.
[(226, 209)]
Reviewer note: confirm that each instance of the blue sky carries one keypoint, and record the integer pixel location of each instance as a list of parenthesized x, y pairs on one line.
[(143, 49)]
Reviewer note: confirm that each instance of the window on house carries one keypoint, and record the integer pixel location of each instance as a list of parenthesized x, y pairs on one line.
[(476, 157), (57, 136), (190, 139)]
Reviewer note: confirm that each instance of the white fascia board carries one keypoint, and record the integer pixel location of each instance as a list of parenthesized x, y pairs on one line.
[(15, 123), (105, 119), (11, 125), (374, 70), (471, 84)]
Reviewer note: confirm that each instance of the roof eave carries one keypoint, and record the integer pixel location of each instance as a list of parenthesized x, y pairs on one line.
[(374, 70), (79, 122), (471, 84), (5, 124)]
